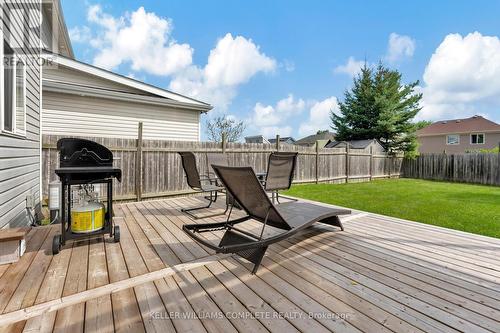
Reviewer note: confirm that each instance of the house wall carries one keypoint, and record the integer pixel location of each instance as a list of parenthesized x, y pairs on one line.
[(20, 156), (437, 143), (66, 114), (66, 75)]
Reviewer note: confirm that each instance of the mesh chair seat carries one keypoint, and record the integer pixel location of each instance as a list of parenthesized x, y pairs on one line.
[(211, 187), (215, 159), (291, 217), (280, 170)]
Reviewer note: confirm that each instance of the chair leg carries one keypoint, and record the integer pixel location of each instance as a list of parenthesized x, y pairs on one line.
[(211, 200), (334, 220), (254, 255), (287, 198), (257, 258)]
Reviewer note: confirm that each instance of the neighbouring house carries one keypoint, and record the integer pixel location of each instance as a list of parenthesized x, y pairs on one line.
[(83, 100), (458, 136), (287, 140), (256, 139), (322, 137), (358, 144)]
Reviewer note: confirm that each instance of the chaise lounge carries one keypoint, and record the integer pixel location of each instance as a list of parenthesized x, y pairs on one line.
[(245, 188)]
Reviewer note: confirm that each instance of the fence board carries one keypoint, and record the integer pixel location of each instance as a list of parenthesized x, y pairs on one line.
[(162, 172), (478, 168)]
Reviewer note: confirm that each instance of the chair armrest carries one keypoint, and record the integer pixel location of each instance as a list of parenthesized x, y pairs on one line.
[(208, 178)]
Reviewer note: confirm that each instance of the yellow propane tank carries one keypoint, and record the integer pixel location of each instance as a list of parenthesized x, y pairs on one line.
[(87, 217)]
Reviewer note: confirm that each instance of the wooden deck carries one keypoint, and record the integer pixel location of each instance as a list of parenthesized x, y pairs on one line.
[(380, 275)]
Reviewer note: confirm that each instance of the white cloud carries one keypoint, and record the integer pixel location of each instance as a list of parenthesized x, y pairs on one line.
[(319, 116), (270, 120), (272, 131), (290, 105), (288, 65), (265, 115), (400, 47), (233, 61), (462, 77), (268, 115), (80, 34), (140, 38), (143, 40), (351, 68)]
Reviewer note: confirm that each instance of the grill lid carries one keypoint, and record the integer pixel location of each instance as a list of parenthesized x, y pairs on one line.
[(75, 152), (81, 159)]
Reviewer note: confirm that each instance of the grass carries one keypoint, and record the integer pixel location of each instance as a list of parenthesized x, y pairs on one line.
[(466, 207)]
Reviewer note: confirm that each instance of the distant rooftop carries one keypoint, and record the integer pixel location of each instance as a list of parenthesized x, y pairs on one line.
[(465, 125), (256, 139), (311, 139), (286, 139), (353, 144)]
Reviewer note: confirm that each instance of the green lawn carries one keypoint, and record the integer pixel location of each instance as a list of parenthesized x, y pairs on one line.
[(471, 208)]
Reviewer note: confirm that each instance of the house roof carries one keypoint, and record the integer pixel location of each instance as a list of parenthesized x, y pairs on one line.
[(170, 98), (256, 139), (284, 139), (353, 144), (311, 139), (456, 126)]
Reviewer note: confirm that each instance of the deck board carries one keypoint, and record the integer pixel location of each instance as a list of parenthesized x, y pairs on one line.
[(381, 274)]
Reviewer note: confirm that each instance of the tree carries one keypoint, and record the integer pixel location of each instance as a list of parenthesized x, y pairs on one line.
[(422, 123), (230, 127), (379, 106)]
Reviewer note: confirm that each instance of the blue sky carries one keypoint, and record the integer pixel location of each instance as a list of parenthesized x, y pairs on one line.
[(281, 66)]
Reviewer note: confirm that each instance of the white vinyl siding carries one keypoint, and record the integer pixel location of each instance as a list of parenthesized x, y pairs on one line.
[(66, 114), (20, 156), (68, 75)]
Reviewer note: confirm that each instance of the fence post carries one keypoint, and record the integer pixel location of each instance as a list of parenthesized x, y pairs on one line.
[(390, 165), (138, 164), (498, 166), (223, 142), (317, 161), (277, 142), (371, 163), (347, 162)]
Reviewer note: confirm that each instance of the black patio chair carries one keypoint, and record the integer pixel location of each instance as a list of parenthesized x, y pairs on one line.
[(290, 217), (280, 170), (215, 159), (199, 184)]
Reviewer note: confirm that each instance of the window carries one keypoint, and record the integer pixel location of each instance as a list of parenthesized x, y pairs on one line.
[(13, 101), (20, 97), (453, 139), (477, 139)]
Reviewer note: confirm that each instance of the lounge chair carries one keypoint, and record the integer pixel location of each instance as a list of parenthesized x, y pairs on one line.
[(280, 169), (290, 217), (199, 184)]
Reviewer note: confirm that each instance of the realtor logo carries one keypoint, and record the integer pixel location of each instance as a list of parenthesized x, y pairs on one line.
[(23, 23)]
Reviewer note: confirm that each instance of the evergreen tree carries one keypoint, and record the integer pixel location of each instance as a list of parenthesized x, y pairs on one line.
[(422, 123), (379, 106)]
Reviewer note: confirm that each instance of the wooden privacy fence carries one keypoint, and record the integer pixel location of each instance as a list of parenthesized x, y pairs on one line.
[(478, 168), (152, 168)]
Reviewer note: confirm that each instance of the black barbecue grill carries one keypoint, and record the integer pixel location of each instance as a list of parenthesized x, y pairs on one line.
[(83, 163)]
